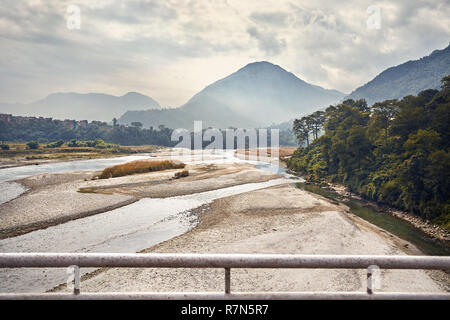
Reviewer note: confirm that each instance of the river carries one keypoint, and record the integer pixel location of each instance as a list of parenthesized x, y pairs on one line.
[(149, 221), (128, 229)]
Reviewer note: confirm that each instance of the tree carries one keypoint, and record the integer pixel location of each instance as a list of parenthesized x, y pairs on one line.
[(411, 173), (383, 113), (33, 145), (317, 119), (357, 143), (423, 141), (4, 146), (445, 83), (55, 144), (74, 143), (360, 104), (302, 131)]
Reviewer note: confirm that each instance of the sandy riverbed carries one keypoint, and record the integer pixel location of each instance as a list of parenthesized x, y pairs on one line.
[(279, 219), (54, 198)]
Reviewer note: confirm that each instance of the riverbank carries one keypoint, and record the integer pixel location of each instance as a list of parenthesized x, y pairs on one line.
[(280, 219), (427, 227), (23, 157)]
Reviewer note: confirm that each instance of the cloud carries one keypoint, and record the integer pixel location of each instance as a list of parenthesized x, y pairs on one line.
[(277, 19), (267, 41), (171, 49)]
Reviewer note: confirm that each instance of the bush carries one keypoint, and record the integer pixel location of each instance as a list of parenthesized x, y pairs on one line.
[(140, 166), (74, 143), (181, 174), (33, 145), (55, 144), (4, 146), (86, 190), (97, 143)]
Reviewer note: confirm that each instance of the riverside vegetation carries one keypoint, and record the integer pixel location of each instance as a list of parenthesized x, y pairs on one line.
[(396, 152), (73, 149), (140, 166), (50, 132)]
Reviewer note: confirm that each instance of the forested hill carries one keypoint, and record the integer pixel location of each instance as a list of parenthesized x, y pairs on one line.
[(396, 152), (48, 130), (22, 129), (408, 78)]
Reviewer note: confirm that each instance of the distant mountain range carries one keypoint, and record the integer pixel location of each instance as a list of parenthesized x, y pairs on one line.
[(408, 78), (259, 94), (89, 106)]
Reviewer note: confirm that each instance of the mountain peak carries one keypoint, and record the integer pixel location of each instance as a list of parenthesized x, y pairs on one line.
[(261, 66), (133, 94), (407, 78), (260, 92)]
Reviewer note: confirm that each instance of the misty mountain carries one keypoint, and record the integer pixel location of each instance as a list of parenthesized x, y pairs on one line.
[(258, 94), (408, 78), (89, 106)]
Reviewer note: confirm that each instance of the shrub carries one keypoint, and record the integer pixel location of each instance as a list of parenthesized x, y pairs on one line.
[(181, 174), (33, 145), (55, 144), (86, 190), (140, 166), (4, 146), (97, 143), (75, 143)]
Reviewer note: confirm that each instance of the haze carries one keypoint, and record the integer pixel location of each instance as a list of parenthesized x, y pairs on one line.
[(170, 50)]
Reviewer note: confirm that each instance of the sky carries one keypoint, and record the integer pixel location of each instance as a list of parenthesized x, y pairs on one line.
[(170, 49)]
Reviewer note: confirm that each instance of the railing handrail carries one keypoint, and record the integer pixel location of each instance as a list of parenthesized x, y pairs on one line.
[(224, 296), (176, 260), (225, 261)]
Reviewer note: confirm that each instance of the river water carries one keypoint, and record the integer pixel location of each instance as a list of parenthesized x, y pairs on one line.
[(11, 190), (128, 229)]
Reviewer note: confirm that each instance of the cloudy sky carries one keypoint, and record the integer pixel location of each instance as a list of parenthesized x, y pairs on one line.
[(170, 49)]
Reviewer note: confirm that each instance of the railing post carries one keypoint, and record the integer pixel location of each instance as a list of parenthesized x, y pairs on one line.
[(76, 287), (369, 281), (373, 278), (227, 281), (74, 275)]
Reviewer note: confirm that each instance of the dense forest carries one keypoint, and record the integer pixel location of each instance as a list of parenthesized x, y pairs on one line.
[(44, 130), (395, 152), (47, 130)]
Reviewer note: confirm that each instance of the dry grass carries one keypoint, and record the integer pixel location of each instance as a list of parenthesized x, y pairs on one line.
[(86, 190), (140, 166)]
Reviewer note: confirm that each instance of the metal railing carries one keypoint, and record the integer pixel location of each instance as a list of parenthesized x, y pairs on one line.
[(225, 261)]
